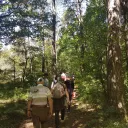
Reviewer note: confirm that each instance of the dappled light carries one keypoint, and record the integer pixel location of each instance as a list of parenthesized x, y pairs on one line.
[(83, 41), (77, 118)]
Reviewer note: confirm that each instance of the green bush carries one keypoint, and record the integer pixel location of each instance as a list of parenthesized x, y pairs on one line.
[(90, 91), (116, 124), (19, 94)]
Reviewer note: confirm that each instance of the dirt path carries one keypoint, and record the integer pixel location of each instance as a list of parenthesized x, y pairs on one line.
[(77, 118)]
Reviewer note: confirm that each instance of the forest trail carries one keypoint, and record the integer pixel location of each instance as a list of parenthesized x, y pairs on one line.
[(79, 117)]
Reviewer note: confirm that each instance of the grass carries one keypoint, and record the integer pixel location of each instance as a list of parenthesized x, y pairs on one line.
[(13, 108), (12, 105), (12, 114)]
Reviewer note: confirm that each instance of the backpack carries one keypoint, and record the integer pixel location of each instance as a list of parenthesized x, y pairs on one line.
[(58, 90)]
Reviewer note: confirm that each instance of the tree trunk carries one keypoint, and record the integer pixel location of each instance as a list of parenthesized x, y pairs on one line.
[(43, 55), (81, 34), (24, 69), (26, 62), (54, 62), (124, 7), (31, 64), (115, 80), (14, 70)]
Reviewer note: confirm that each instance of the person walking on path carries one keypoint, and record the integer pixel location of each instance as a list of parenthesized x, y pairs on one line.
[(55, 80), (73, 86), (70, 87), (59, 104), (46, 80), (40, 105)]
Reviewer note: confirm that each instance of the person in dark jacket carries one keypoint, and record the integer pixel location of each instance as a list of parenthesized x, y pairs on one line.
[(70, 87)]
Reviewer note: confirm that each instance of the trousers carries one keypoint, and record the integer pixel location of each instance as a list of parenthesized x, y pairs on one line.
[(57, 120), (39, 116)]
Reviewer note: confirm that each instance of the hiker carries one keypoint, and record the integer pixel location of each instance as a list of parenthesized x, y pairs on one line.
[(63, 76), (59, 102), (55, 80), (46, 81), (40, 105), (70, 87), (72, 82)]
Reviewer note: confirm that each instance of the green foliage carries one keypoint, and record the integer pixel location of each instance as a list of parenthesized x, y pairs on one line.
[(107, 124), (31, 79), (90, 91), (24, 15), (14, 92), (116, 124), (1, 45), (19, 95), (81, 50), (12, 105), (83, 44), (12, 114)]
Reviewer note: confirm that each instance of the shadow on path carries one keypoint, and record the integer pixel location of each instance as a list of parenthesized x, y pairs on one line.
[(81, 116)]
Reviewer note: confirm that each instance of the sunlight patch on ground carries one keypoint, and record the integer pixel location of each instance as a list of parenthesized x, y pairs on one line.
[(78, 124), (83, 106), (27, 124), (5, 101)]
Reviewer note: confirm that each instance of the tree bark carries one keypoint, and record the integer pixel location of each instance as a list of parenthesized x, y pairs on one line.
[(26, 62), (31, 64), (54, 54), (43, 54), (124, 7), (115, 82), (81, 34)]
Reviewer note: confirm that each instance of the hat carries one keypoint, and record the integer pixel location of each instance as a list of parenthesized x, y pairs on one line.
[(40, 79)]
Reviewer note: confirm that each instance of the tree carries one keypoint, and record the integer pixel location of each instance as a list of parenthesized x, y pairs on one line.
[(28, 16), (115, 82), (54, 55), (124, 22)]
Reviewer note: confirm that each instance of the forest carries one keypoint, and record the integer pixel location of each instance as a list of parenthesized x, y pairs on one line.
[(85, 38)]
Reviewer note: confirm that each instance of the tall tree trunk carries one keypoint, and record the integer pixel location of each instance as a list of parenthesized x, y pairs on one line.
[(24, 69), (54, 38), (124, 14), (126, 44), (31, 64), (43, 54), (124, 7), (14, 70), (115, 80), (26, 62), (81, 34), (102, 77)]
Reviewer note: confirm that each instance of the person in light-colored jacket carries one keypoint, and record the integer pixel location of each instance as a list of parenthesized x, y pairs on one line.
[(40, 105)]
